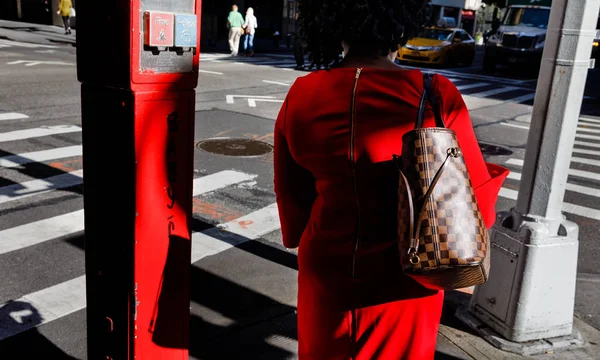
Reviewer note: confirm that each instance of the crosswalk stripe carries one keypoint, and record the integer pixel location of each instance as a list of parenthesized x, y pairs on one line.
[(566, 207), (579, 173), (40, 186), (68, 224), (51, 304), (583, 124), (494, 91), (571, 187), (523, 98), (40, 156), (579, 130), (38, 132), (68, 297), (249, 227), (220, 180), (471, 86), (588, 144), (589, 119), (585, 136), (12, 116), (31, 234), (10, 43), (587, 152), (593, 131)]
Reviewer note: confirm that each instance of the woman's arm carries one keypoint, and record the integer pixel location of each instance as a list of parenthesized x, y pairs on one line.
[(294, 186), (487, 179)]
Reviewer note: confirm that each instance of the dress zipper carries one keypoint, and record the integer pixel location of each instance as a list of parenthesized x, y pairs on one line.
[(352, 135)]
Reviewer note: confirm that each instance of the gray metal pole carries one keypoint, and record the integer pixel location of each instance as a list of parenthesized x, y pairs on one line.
[(531, 291), (555, 115)]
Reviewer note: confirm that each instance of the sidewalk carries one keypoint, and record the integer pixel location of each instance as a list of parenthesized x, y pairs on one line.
[(253, 311), (35, 33)]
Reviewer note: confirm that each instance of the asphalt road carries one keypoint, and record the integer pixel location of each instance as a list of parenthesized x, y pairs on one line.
[(41, 243)]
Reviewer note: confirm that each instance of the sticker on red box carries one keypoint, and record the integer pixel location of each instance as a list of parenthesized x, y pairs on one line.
[(158, 29)]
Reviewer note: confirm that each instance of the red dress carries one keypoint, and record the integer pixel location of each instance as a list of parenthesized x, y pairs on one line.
[(335, 183)]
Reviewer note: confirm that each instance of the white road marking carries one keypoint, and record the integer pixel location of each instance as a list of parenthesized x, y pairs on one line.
[(587, 152), (585, 136), (40, 156), (45, 51), (523, 98), (38, 132), (31, 234), (210, 72), (12, 116), (593, 131), (583, 124), (249, 227), (571, 187), (450, 73), (471, 86), (588, 144), (9, 43), (579, 173), (566, 207), (276, 83), (41, 231), (40, 186), (579, 129), (270, 63), (589, 119), (68, 297), (51, 304), (231, 98), (219, 180), (494, 91), (39, 62), (252, 102), (515, 126)]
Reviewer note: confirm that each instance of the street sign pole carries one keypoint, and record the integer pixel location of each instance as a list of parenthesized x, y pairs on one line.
[(137, 61), (531, 290)]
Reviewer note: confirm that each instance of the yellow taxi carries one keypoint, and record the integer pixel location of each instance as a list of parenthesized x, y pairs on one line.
[(439, 46)]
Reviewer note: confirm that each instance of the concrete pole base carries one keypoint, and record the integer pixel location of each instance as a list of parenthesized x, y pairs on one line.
[(529, 348)]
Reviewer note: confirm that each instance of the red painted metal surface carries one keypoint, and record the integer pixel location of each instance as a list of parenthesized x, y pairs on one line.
[(163, 152), (138, 137)]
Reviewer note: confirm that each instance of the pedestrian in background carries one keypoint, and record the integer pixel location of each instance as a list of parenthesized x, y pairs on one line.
[(298, 45), (250, 26), (235, 22), (337, 186), (64, 10)]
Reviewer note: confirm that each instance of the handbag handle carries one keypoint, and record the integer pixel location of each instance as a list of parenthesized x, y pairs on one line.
[(428, 94)]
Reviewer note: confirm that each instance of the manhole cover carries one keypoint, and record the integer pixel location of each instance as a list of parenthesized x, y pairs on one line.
[(235, 147), (489, 149)]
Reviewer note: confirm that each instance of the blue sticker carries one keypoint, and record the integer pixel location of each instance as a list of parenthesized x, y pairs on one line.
[(186, 26)]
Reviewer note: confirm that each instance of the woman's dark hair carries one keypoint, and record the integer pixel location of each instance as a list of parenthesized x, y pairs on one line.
[(370, 27)]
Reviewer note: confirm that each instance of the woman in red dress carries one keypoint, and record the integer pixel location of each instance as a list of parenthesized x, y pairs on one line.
[(336, 185)]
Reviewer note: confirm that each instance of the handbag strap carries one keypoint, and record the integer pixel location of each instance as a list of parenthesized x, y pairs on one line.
[(415, 229), (428, 94)]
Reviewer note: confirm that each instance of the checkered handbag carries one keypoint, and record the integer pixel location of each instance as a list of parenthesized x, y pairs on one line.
[(442, 237)]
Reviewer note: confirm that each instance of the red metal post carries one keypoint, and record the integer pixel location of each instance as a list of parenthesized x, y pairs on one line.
[(137, 61)]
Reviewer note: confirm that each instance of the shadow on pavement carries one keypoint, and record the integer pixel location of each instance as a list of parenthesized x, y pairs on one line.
[(38, 170), (16, 342)]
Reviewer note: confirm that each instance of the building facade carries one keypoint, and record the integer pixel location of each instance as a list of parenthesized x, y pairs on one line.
[(463, 11)]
